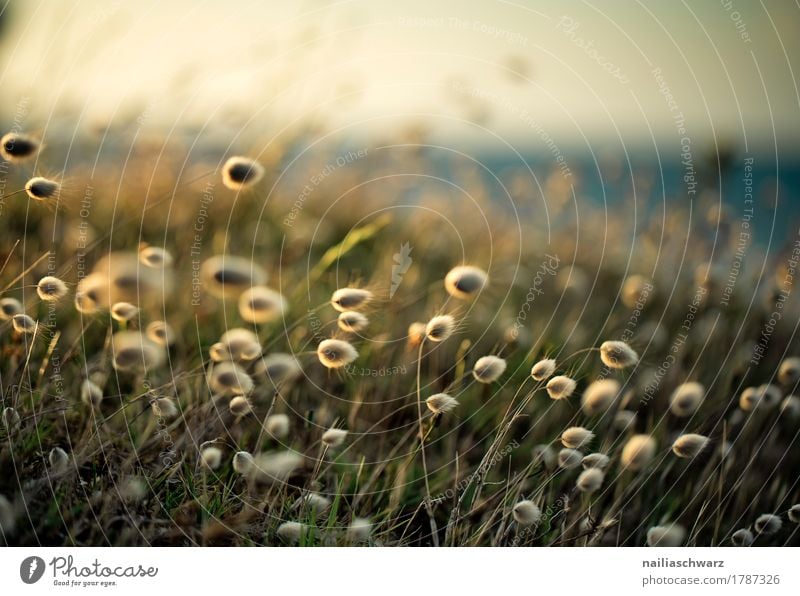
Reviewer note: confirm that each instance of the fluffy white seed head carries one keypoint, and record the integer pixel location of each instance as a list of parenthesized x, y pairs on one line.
[(17, 147), (789, 371), (599, 396), (334, 437), (439, 328), (240, 406), (10, 420), (279, 368), (560, 387), (742, 537), (576, 436), (768, 524), (293, 532), (441, 403), (277, 426), (763, 396), (240, 172), (23, 323), (92, 293), (58, 460), (545, 455), (526, 513), (51, 289), (590, 480), (595, 460), (133, 352), (359, 530), (155, 257), (275, 467), (211, 457), (345, 299), (242, 462), (228, 379), (163, 407), (635, 288), (689, 445), (623, 420), (543, 369), (160, 332), (261, 304), (686, 399), (336, 353), (314, 502), (10, 307), (91, 394), (352, 321), (488, 369), (569, 458), (237, 345), (638, 452), (228, 276), (617, 354), (465, 281), (794, 513), (416, 333), (42, 189), (666, 535), (124, 311), (790, 406)]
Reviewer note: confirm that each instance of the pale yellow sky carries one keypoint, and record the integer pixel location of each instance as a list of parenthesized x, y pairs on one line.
[(587, 68)]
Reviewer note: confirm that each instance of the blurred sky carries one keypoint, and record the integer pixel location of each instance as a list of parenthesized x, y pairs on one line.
[(369, 66)]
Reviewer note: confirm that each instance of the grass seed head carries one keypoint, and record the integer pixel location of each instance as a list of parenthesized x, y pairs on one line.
[(155, 257), (240, 406), (638, 452), (124, 311), (240, 172), (237, 345), (42, 189), (768, 524), (441, 403), (211, 457), (352, 321), (160, 332), (790, 406), (228, 379), (277, 426), (91, 394), (359, 530), (416, 333), (599, 396), (279, 368), (560, 387), (293, 532), (526, 513), (11, 420), (133, 352), (58, 460), (16, 147), (618, 354), (51, 289), (686, 399), (794, 513), (10, 307), (23, 323), (465, 282), (789, 371), (689, 445), (623, 420), (742, 537), (576, 436), (543, 369), (439, 328), (163, 407), (345, 299), (242, 463), (569, 458), (261, 304), (336, 353), (488, 369), (227, 276), (595, 460), (274, 467), (666, 535), (334, 437), (590, 480)]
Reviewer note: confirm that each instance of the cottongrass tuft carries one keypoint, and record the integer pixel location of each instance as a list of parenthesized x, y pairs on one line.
[(742, 537), (124, 311), (334, 437), (768, 524), (638, 452), (316, 502), (590, 480), (666, 535), (544, 454), (279, 368), (336, 353), (790, 406), (228, 379), (91, 293), (10, 307), (345, 299), (352, 321), (240, 172), (488, 369), (441, 403), (794, 513), (465, 281), (240, 406), (237, 345), (789, 371), (42, 189), (275, 467), (293, 532), (160, 332), (623, 420), (599, 396), (277, 426), (155, 257), (211, 457), (51, 289), (686, 399), (439, 328), (617, 354), (560, 387), (359, 530), (761, 396), (91, 394), (16, 147), (569, 458), (133, 352), (526, 513), (58, 460), (11, 420), (242, 462), (576, 436), (416, 334), (261, 304), (595, 460), (227, 276), (543, 369), (23, 323), (689, 445), (163, 407)]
